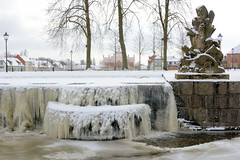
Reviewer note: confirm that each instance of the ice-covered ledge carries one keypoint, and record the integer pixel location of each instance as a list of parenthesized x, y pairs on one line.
[(201, 75), (96, 122)]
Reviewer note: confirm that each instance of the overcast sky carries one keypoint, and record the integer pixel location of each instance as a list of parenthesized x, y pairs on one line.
[(24, 20)]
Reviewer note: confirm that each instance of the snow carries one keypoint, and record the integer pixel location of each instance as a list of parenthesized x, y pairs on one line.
[(80, 78), (235, 50), (96, 122), (12, 61), (234, 75)]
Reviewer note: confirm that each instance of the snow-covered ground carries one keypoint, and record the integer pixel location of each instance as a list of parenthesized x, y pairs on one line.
[(94, 78), (84, 78)]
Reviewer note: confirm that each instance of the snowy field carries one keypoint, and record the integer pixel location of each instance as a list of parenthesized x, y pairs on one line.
[(35, 146)]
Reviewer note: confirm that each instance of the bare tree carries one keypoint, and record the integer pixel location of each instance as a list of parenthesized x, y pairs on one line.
[(114, 46), (123, 8), (139, 46), (24, 53), (72, 18), (169, 15)]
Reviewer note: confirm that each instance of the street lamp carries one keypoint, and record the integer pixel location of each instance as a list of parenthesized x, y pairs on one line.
[(232, 57), (220, 39), (6, 39), (71, 52)]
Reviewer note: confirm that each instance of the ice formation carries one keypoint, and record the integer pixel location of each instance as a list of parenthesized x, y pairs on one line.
[(24, 107), (96, 122)]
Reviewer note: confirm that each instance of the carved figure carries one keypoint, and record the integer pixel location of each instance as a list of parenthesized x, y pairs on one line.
[(204, 55)]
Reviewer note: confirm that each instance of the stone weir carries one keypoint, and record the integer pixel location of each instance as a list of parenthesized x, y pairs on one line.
[(208, 103), (23, 108)]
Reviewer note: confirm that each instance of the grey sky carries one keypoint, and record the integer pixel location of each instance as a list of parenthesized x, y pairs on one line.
[(24, 20)]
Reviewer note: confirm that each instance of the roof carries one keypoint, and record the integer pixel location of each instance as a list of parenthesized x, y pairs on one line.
[(235, 49), (25, 58), (169, 58), (12, 61)]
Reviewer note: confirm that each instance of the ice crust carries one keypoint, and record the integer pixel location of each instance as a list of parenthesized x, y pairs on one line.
[(96, 122)]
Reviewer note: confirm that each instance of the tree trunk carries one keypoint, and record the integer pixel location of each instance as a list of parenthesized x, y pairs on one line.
[(88, 65), (121, 38), (139, 60), (165, 35)]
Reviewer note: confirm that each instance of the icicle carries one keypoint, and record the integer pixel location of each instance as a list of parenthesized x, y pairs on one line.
[(95, 123), (171, 112)]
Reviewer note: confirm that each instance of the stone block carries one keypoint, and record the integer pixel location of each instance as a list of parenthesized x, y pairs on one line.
[(221, 101), (197, 101), (234, 87), (207, 102), (176, 87), (183, 113), (222, 88), (213, 116), (188, 101), (234, 101), (200, 114), (230, 116), (186, 88), (203, 88)]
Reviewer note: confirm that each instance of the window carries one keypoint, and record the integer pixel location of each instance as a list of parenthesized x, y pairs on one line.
[(1, 63), (236, 57)]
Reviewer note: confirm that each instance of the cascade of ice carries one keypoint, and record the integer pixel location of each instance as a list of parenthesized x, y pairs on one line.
[(22, 108), (96, 122), (161, 100)]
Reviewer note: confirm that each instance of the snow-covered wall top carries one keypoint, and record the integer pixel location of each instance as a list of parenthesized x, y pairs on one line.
[(79, 79)]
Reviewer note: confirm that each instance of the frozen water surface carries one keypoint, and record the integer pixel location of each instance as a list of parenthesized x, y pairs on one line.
[(36, 146)]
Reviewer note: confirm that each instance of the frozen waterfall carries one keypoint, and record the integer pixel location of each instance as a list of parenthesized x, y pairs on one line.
[(23, 108), (96, 122)]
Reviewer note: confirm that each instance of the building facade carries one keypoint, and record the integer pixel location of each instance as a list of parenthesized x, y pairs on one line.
[(233, 58), (14, 65), (115, 62), (156, 63)]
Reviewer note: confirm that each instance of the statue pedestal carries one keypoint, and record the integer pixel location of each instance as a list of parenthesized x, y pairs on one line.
[(201, 76)]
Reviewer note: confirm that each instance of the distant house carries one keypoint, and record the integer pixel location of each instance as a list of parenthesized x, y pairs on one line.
[(60, 66), (233, 58), (27, 62), (109, 62), (13, 64), (2, 65), (156, 63)]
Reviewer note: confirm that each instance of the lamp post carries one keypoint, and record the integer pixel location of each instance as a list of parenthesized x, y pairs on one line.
[(232, 57), (6, 39), (220, 39), (71, 59)]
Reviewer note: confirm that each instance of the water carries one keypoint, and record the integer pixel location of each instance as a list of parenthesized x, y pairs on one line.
[(36, 146)]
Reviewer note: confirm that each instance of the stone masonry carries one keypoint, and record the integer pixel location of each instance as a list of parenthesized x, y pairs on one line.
[(208, 103)]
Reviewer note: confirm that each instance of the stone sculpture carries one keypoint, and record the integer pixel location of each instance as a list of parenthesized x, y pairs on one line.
[(204, 55)]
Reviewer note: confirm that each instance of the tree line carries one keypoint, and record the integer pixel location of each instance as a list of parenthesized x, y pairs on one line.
[(74, 20)]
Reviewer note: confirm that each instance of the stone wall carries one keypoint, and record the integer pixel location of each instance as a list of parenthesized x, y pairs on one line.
[(208, 103)]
